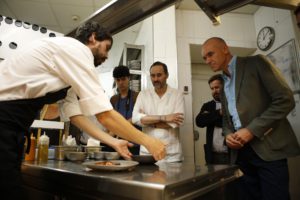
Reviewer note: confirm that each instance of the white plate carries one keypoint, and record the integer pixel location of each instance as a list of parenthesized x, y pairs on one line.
[(119, 165)]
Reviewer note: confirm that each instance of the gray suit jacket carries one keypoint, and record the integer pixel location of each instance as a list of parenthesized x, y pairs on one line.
[(263, 100)]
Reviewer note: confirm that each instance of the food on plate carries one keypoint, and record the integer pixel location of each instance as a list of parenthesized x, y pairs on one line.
[(106, 163)]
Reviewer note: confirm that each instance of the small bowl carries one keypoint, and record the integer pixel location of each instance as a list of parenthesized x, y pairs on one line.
[(99, 155), (89, 149), (111, 155), (59, 152), (75, 156)]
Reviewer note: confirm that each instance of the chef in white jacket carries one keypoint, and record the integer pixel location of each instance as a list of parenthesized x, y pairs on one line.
[(160, 112)]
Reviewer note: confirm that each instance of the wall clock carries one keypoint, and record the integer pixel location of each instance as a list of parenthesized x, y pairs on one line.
[(265, 38)]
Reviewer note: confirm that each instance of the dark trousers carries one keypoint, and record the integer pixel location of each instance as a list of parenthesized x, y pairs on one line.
[(220, 158), (262, 180), (11, 149)]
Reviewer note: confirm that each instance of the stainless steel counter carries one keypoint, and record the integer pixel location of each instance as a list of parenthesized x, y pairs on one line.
[(164, 181)]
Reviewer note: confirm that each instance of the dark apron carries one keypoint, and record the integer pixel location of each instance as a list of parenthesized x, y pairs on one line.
[(16, 117)]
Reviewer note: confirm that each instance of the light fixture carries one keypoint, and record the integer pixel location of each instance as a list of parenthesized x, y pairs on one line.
[(75, 18)]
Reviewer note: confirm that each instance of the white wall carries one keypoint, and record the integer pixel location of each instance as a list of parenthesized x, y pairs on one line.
[(19, 35), (164, 42), (140, 34), (280, 20)]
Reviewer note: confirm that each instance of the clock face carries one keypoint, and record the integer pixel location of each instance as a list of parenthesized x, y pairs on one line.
[(265, 38)]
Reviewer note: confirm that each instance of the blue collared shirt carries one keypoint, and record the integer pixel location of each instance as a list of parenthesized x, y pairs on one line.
[(229, 89)]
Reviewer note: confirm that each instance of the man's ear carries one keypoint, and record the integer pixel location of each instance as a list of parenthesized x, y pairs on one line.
[(92, 38)]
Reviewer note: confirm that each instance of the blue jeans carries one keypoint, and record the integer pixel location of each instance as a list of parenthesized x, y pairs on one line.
[(262, 180)]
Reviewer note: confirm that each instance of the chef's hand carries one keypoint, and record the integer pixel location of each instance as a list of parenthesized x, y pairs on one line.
[(232, 142), (121, 146), (156, 147), (243, 136)]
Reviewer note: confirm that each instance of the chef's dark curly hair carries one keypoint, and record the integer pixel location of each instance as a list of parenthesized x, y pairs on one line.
[(86, 30)]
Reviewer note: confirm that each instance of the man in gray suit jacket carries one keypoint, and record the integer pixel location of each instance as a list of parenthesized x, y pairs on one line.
[(256, 101)]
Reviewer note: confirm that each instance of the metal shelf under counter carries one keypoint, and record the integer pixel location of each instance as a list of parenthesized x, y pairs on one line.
[(68, 180)]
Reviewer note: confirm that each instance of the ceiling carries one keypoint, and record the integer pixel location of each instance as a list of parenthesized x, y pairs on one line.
[(57, 15), (65, 15)]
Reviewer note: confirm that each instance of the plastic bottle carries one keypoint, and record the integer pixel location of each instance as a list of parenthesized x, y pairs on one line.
[(43, 148), (31, 155)]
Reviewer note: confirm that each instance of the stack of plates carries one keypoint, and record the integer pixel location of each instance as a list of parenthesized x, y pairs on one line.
[(135, 85), (134, 64)]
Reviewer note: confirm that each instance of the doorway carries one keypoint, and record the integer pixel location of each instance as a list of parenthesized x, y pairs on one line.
[(201, 94)]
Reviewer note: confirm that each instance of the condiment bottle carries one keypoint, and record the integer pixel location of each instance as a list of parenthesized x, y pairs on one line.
[(43, 148), (31, 155)]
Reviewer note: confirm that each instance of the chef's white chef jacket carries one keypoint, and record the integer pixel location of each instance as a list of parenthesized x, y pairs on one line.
[(49, 65), (149, 103)]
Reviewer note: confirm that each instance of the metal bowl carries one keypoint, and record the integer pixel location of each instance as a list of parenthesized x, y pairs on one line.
[(75, 156), (144, 159), (59, 151), (99, 155), (111, 155), (90, 150)]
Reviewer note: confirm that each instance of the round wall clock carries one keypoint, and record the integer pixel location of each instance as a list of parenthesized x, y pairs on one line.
[(265, 38)]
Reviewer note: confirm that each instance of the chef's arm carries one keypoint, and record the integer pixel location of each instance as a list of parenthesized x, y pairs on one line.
[(89, 127), (163, 120), (116, 123)]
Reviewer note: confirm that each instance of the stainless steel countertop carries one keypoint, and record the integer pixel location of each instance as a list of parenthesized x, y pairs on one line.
[(162, 181)]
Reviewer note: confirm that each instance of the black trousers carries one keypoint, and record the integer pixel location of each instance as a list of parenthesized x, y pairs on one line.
[(262, 180), (220, 158), (11, 151)]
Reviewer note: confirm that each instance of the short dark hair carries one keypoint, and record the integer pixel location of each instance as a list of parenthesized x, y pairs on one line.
[(84, 32), (162, 64), (121, 71), (297, 10), (216, 77)]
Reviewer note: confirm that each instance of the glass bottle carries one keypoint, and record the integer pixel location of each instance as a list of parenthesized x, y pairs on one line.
[(43, 148), (31, 155)]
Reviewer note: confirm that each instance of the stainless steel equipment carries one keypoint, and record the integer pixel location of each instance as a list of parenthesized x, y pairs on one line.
[(68, 180)]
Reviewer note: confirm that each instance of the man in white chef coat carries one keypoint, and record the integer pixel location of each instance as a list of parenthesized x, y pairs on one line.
[(43, 74), (160, 112)]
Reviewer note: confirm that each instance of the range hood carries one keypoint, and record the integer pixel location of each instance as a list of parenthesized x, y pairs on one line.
[(215, 8), (120, 14)]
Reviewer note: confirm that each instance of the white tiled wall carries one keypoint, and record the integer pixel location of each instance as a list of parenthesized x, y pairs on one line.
[(164, 42)]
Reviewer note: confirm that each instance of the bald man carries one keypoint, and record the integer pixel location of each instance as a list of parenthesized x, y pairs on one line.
[(256, 101)]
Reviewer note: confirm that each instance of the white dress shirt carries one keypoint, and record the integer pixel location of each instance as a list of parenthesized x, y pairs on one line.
[(49, 65), (149, 103), (218, 138)]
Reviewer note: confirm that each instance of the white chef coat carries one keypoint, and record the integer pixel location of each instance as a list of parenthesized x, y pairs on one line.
[(70, 107), (49, 65), (149, 103)]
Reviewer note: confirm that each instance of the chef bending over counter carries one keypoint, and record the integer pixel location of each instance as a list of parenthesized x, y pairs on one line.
[(44, 74)]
